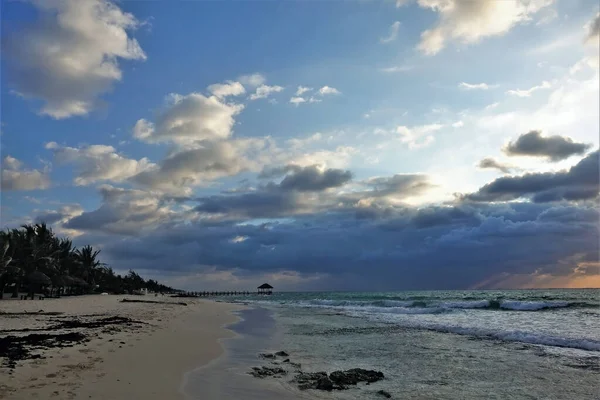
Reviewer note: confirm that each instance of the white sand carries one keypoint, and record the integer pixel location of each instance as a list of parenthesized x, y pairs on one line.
[(149, 365)]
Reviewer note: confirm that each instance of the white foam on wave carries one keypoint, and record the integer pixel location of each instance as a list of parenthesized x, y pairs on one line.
[(359, 311), (509, 336), (532, 305), (466, 304), (357, 303)]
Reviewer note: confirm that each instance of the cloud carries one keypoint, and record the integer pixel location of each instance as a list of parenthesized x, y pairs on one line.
[(60, 216), (70, 55), (397, 68), (15, 177), (264, 91), (313, 178), (189, 118), (253, 80), (593, 31), (302, 89), (418, 136), (399, 186), (528, 92), (327, 90), (479, 241), (471, 21), (490, 163), (476, 86), (230, 88), (555, 148), (126, 212), (581, 182), (297, 100), (393, 34), (98, 163), (181, 171)]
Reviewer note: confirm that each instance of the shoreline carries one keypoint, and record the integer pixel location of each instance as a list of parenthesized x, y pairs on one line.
[(148, 356)]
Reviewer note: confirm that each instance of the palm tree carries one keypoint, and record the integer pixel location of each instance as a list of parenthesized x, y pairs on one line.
[(34, 255), (88, 263), (5, 260)]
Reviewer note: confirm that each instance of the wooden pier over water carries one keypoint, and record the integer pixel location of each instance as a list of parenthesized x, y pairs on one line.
[(263, 290)]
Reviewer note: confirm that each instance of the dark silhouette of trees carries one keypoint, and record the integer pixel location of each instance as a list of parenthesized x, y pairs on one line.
[(34, 258)]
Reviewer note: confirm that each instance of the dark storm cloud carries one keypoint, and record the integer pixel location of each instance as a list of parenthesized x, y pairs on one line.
[(355, 240), (581, 182), (266, 203), (555, 148), (440, 247), (301, 191), (490, 163)]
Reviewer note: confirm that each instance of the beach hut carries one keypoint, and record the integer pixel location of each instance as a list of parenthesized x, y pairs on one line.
[(265, 288)]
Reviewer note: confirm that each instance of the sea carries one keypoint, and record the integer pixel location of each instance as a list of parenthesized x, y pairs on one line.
[(492, 344)]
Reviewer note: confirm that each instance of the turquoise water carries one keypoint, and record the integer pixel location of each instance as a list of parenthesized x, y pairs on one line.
[(513, 344)]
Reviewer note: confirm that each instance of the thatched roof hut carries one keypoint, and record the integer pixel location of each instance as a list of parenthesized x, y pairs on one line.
[(265, 288), (39, 278)]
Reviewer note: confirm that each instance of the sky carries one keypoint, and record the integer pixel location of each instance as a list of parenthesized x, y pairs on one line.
[(315, 145)]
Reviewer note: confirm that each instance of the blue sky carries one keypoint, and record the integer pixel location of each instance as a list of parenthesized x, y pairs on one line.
[(111, 130)]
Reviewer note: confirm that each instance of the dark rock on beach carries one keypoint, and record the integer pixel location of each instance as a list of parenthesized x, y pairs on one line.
[(267, 355), (355, 375), (338, 380), (384, 394), (324, 383), (282, 354), (264, 372)]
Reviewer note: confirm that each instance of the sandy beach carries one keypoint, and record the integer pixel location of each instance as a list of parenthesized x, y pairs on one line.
[(111, 349)]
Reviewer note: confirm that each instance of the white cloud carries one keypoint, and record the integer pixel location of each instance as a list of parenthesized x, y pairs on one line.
[(264, 91), (397, 68), (15, 177), (393, 34), (302, 89), (297, 100), (547, 16), (469, 21), (125, 211), (189, 118), (476, 86), (200, 165), (418, 136), (230, 88), (98, 163), (253, 80), (528, 92), (69, 57), (326, 90), (299, 143), (337, 158), (458, 124)]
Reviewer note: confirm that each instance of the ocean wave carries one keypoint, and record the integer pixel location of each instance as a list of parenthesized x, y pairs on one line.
[(483, 333), (518, 336), (466, 304), (506, 305), (384, 306), (533, 305)]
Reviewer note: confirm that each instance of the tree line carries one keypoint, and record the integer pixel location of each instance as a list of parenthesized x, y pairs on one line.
[(34, 259)]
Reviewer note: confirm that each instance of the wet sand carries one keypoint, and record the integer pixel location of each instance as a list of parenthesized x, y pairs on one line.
[(97, 347)]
